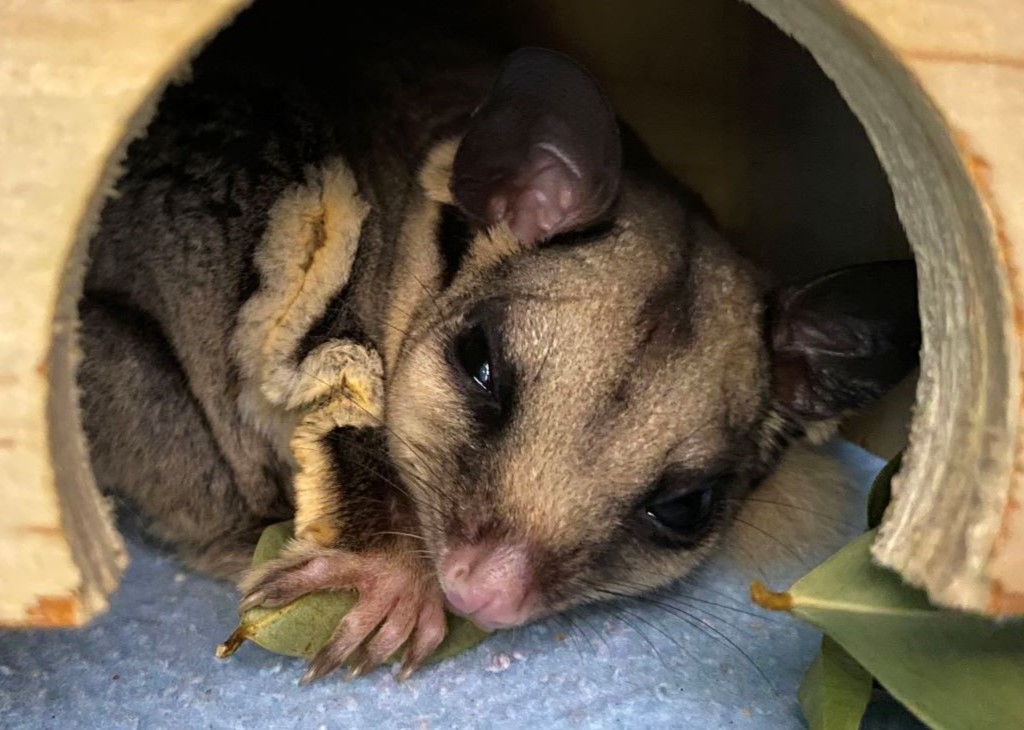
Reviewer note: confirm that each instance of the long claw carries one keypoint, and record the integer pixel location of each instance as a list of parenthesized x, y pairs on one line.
[(254, 599), (356, 670), (325, 662), (430, 631), (407, 669), (312, 674)]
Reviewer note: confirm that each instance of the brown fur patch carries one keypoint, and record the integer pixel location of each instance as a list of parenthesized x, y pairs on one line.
[(417, 268), (357, 400)]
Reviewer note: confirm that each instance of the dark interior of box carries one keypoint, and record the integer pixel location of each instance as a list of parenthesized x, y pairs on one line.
[(740, 112), (730, 104)]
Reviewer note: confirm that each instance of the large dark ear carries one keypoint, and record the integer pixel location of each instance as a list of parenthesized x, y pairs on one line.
[(842, 340), (542, 153)]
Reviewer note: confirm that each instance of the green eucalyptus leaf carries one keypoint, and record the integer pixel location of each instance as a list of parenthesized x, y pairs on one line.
[(301, 628), (272, 542), (955, 671), (836, 690), (881, 491)]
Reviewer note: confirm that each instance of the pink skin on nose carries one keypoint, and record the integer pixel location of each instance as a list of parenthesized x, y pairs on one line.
[(490, 584)]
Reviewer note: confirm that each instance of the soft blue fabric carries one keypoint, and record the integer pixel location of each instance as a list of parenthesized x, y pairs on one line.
[(705, 658)]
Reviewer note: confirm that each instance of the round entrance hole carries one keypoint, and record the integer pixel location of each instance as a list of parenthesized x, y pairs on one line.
[(793, 166)]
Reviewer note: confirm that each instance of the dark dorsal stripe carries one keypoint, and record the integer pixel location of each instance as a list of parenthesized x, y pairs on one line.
[(337, 322), (454, 236)]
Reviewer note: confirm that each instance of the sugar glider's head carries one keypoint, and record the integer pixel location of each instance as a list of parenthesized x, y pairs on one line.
[(590, 379)]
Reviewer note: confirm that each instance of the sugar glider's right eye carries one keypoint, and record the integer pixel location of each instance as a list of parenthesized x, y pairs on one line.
[(474, 357)]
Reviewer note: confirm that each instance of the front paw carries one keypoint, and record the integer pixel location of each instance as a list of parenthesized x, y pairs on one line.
[(399, 605)]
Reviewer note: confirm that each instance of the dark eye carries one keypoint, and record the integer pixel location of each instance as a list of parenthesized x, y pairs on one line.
[(481, 371), (684, 514), (682, 507), (474, 357)]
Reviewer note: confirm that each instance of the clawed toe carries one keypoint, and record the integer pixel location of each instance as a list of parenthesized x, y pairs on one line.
[(286, 579), (400, 606), (373, 633), (429, 632), (276, 585)]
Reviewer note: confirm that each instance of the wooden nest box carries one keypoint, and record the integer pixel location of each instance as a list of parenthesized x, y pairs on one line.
[(937, 85)]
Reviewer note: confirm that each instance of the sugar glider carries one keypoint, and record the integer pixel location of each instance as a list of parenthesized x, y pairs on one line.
[(556, 376)]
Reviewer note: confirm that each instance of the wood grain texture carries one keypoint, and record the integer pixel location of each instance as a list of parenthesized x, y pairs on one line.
[(939, 87), (76, 78), (969, 58)]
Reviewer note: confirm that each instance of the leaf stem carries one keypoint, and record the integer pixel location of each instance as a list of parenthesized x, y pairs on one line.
[(770, 600), (230, 645)]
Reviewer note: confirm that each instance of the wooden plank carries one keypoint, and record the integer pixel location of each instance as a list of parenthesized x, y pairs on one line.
[(76, 79), (939, 87)]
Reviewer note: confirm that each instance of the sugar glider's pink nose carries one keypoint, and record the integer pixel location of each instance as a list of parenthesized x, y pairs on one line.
[(490, 584)]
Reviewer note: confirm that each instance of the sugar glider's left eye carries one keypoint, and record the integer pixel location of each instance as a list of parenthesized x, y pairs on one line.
[(681, 508), (483, 375), (684, 514), (480, 371), (474, 357)]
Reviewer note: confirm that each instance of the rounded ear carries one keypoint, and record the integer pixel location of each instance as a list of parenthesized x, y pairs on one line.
[(842, 340), (542, 153)]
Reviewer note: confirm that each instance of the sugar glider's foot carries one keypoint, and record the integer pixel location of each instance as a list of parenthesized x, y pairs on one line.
[(400, 604)]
